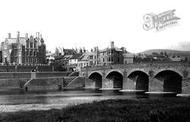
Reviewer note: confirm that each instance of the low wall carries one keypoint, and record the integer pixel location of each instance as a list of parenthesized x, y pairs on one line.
[(43, 81), (35, 84), (24, 68), (10, 75), (44, 84)]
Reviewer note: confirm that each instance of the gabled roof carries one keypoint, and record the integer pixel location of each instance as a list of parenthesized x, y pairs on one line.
[(76, 56), (84, 56), (67, 56), (69, 51)]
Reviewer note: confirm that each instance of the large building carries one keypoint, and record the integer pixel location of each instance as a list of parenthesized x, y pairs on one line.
[(111, 55), (24, 50)]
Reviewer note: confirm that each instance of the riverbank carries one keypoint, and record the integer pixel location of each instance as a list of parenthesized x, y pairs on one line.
[(146, 110)]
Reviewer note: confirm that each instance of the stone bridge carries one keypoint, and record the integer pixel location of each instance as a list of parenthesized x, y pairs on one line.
[(150, 77)]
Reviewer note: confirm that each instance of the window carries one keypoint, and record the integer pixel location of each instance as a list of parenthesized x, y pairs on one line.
[(35, 43), (31, 53), (27, 44), (31, 45), (27, 52), (91, 63), (91, 56)]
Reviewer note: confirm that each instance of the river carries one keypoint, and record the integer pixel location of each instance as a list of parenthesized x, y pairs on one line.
[(45, 100)]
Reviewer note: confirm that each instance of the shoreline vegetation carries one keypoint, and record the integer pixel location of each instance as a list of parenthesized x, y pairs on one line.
[(174, 109)]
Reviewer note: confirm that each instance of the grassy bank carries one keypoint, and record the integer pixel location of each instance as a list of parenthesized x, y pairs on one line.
[(144, 110)]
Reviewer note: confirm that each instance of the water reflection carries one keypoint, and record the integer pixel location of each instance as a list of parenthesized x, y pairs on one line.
[(43, 100)]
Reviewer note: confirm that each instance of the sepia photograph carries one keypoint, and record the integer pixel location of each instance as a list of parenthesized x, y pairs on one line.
[(94, 61)]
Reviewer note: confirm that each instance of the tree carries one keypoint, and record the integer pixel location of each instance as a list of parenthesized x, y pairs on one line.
[(155, 54), (165, 54), (161, 53), (58, 65)]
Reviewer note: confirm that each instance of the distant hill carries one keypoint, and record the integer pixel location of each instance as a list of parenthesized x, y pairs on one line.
[(169, 52)]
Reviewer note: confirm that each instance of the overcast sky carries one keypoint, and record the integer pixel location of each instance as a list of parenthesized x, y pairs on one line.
[(89, 23)]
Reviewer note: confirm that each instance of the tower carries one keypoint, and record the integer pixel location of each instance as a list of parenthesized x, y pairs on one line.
[(26, 36), (112, 44), (9, 35), (18, 37)]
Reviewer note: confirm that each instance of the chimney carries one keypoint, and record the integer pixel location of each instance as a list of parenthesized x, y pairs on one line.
[(37, 34), (40, 36), (9, 35), (18, 34), (95, 49), (112, 44), (18, 37)]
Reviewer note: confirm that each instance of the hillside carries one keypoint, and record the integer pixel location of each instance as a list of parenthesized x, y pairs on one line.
[(169, 52)]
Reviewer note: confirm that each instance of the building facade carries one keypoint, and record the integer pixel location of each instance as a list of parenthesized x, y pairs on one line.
[(128, 58), (111, 55), (24, 50), (88, 59)]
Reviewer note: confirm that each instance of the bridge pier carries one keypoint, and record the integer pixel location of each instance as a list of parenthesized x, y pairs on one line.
[(186, 86), (128, 84), (155, 85), (107, 83)]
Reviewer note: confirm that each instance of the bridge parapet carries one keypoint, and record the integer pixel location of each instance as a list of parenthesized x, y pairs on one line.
[(139, 65)]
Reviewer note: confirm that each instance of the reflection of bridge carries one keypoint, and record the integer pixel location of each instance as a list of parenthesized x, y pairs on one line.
[(152, 77)]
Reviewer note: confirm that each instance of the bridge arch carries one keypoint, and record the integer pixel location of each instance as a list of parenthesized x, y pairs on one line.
[(97, 78), (169, 69), (141, 79), (172, 80), (114, 70), (99, 72), (134, 70), (116, 77)]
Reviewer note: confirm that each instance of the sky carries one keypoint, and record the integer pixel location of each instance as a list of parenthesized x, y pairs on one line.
[(90, 23)]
